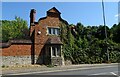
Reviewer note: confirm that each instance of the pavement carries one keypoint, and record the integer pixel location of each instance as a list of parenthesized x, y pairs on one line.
[(43, 69)]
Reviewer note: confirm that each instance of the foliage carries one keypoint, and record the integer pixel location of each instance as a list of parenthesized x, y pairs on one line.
[(14, 29), (89, 45), (115, 30)]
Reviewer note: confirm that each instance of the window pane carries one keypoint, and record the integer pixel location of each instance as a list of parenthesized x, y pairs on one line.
[(53, 51), (49, 30), (53, 30), (58, 31), (58, 51)]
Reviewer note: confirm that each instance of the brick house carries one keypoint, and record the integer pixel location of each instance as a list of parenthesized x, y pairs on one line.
[(44, 45)]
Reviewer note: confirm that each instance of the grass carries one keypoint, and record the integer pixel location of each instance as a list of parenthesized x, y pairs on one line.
[(50, 66)]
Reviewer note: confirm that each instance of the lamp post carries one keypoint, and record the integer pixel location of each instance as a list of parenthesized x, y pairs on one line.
[(105, 29)]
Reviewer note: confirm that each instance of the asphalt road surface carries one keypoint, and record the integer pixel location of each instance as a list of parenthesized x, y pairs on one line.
[(104, 71)]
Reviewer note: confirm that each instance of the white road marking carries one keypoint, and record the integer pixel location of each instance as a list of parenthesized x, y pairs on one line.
[(61, 70), (105, 73), (114, 74)]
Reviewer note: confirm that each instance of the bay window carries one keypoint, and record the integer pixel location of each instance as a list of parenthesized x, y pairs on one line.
[(55, 51)]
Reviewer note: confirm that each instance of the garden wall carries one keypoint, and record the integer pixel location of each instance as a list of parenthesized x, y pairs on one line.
[(16, 52)]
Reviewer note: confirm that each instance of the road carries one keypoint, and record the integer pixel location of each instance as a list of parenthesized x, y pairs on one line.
[(104, 71)]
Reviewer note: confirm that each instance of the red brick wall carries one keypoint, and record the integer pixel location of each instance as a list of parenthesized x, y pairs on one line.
[(41, 39), (17, 50)]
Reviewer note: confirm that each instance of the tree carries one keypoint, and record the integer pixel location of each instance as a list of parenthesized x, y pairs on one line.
[(88, 44), (115, 30), (101, 32), (15, 29)]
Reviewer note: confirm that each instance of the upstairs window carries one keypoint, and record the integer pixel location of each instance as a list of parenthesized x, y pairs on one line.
[(53, 31)]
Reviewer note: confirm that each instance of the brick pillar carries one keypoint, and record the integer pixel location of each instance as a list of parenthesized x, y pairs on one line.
[(32, 34)]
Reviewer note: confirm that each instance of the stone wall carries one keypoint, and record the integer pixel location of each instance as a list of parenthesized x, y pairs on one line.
[(16, 60), (56, 61)]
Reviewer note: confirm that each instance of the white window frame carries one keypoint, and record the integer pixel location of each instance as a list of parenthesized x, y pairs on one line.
[(56, 29), (56, 51)]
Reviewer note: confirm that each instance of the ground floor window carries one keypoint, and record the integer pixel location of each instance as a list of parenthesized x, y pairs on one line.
[(55, 51)]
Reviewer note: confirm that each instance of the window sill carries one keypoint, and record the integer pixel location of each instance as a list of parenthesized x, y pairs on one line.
[(52, 35), (55, 56)]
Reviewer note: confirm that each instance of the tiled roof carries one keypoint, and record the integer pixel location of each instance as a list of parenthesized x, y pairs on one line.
[(54, 40), (54, 9), (7, 44)]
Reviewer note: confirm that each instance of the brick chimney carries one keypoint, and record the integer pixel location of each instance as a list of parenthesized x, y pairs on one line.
[(32, 16), (32, 20)]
